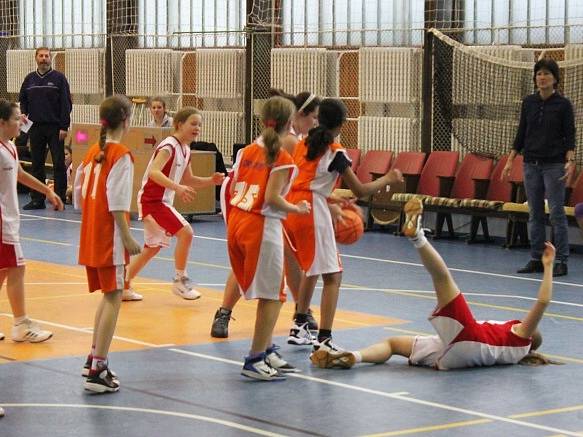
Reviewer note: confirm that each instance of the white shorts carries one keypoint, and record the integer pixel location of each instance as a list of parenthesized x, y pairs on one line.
[(159, 234), (426, 350)]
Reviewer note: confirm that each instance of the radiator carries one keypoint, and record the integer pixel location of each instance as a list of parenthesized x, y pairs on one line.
[(150, 72), (573, 51), (388, 133), (18, 64), (85, 70), (224, 129), (296, 70), (220, 73), (390, 75), (85, 114)]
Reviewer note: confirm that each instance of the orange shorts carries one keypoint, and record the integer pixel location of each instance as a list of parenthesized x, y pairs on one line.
[(106, 279)]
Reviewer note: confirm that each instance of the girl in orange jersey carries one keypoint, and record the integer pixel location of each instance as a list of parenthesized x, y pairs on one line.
[(11, 257), (321, 161), (103, 190), (305, 118), (169, 173), (262, 176)]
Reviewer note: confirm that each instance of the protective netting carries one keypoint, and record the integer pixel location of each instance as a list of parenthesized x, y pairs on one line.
[(477, 94), (265, 13)]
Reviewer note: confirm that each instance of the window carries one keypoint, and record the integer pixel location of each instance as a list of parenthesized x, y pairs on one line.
[(62, 23)]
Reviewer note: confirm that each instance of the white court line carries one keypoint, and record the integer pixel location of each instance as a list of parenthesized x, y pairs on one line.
[(131, 227), (364, 258), (151, 411), (509, 296), (396, 395), (85, 283), (86, 331), (401, 396)]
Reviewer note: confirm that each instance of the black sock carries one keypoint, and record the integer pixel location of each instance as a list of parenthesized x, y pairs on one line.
[(323, 334), (300, 319)]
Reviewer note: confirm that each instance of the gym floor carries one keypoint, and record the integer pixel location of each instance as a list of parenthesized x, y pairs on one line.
[(178, 381)]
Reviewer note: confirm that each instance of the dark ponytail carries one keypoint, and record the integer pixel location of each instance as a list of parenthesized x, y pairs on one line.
[(332, 115), (113, 112)]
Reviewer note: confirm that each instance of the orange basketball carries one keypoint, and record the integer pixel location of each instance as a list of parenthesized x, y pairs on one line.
[(350, 229)]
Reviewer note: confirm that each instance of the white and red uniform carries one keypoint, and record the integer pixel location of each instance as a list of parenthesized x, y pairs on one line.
[(10, 249), (101, 188), (462, 341), (254, 229), (161, 220), (312, 235)]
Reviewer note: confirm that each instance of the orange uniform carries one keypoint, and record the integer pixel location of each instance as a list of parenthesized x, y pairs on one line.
[(312, 235), (254, 229), (101, 188)]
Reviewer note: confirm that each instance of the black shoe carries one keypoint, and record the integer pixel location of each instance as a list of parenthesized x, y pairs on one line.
[(312, 324), (220, 327), (34, 204), (560, 269), (101, 381), (533, 266)]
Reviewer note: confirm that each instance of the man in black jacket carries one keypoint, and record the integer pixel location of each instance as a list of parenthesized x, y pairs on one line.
[(45, 99), (546, 138)]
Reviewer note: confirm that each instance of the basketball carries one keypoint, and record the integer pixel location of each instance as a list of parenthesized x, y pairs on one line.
[(350, 229)]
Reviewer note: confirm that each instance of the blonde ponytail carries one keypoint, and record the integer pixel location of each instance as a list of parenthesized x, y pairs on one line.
[(276, 114)]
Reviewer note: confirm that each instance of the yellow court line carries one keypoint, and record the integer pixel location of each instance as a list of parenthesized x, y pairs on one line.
[(431, 428), (479, 304), (475, 422), (547, 412)]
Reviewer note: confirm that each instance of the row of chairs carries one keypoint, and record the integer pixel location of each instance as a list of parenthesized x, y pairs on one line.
[(472, 187)]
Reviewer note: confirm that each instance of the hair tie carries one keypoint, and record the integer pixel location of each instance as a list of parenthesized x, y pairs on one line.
[(270, 123), (103, 122)]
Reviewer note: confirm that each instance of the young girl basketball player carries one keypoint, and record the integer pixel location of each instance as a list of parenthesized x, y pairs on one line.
[(461, 341), (103, 191), (321, 161), (305, 118), (11, 257), (262, 175), (168, 173)]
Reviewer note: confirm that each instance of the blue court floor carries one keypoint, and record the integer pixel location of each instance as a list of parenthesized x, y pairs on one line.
[(196, 390)]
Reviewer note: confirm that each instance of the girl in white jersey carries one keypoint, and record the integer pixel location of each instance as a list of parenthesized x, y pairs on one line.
[(461, 341), (11, 258), (305, 118), (167, 174)]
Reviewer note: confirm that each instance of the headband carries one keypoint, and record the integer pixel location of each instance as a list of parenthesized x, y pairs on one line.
[(307, 102)]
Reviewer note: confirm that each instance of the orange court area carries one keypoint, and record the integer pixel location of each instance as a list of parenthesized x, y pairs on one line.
[(56, 296)]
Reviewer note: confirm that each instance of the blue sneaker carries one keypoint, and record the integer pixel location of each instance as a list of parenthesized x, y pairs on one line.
[(258, 368)]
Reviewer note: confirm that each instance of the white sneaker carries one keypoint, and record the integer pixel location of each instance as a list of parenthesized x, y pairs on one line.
[(300, 335), (327, 345), (183, 287), (275, 360), (29, 331), (1, 336), (1, 412), (129, 294), (260, 370)]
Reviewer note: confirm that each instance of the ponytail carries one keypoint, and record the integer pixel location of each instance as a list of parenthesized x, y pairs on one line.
[(332, 115), (318, 140), (113, 112), (276, 114)]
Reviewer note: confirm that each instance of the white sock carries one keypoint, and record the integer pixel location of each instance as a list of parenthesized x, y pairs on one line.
[(357, 356), (419, 240), (180, 274), (19, 320)]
